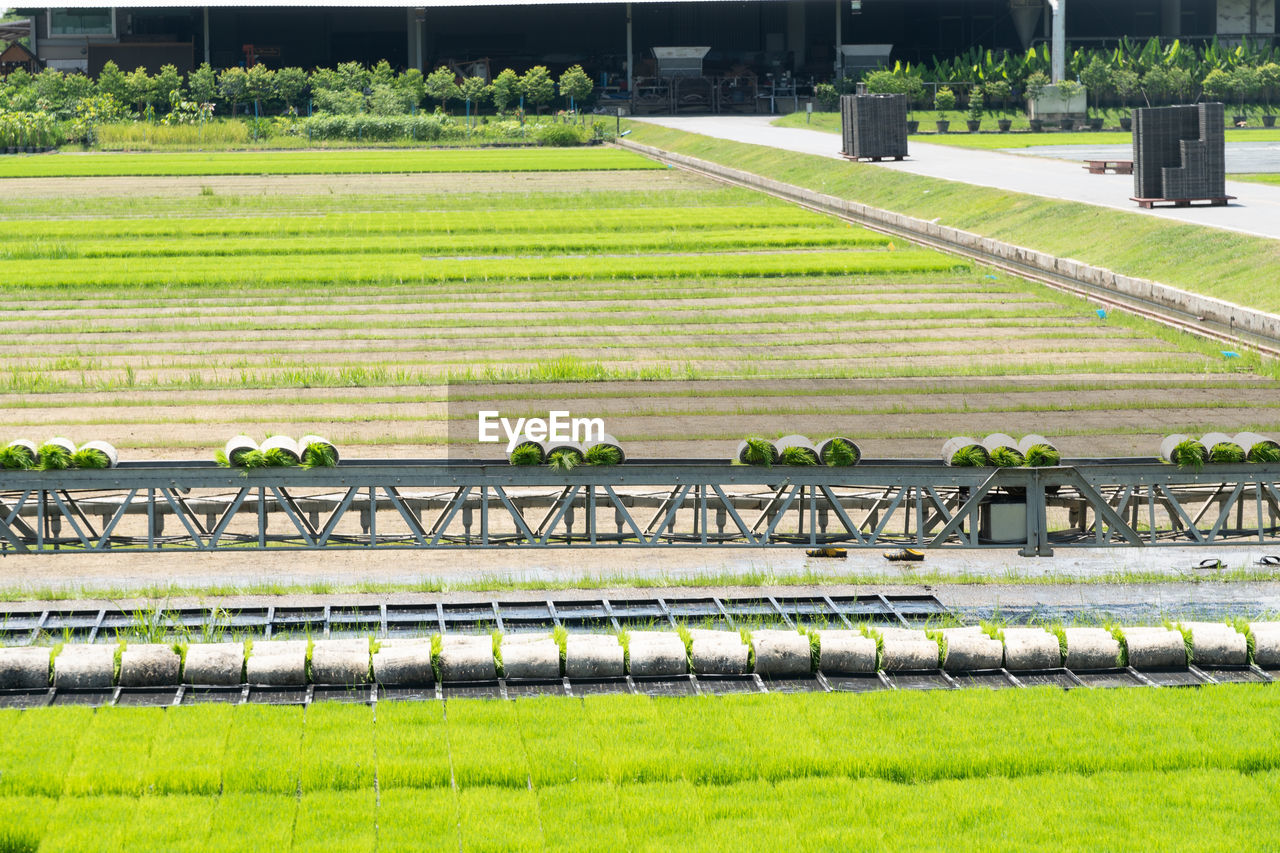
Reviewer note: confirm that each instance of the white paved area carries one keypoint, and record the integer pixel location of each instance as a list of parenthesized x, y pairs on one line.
[(1256, 210)]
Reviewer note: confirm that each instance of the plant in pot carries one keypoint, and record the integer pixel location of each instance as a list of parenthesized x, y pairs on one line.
[(1068, 89), (943, 100), (998, 90), (1269, 79), (1246, 84), (1098, 81), (1036, 84), (975, 110), (1217, 85), (1126, 84), (913, 88)]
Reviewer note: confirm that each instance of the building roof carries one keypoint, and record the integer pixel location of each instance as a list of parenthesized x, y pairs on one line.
[(350, 4)]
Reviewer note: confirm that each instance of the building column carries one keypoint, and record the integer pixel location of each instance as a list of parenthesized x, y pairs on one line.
[(839, 64), (630, 58), (1058, 49), (206, 36)]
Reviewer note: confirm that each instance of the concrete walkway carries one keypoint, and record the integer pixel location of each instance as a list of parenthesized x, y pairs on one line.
[(1256, 210)]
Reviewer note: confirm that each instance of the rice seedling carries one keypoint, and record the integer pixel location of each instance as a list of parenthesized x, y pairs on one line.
[(336, 820), (554, 759), (252, 822), (412, 749), (1191, 454), (412, 820), (1042, 456), (1226, 452), (188, 753), (973, 456), (565, 459), (1264, 453), (471, 727), (89, 824), (91, 458), (1006, 457), (798, 456), (176, 823), (53, 457), (25, 820), (97, 768), (17, 457), (527, 453), (263, 750), (582, 815), (499, 819), (278, 457), (254, 459), (602, 454), (759, 451), (319, 454), (839, 453)]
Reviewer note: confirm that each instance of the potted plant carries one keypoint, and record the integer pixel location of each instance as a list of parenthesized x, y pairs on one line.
[(1036, 84), (1246, 83), (943, 100), (975, 110), (1126, 83), (1268, 80), (998, 90), (1068, 89)]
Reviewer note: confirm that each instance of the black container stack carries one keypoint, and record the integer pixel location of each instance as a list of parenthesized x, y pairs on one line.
[(1179, 153), (874, 126)]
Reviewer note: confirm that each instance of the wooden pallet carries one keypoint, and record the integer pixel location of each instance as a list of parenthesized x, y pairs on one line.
[(1116, 167), (871, 159), (1148, 203)]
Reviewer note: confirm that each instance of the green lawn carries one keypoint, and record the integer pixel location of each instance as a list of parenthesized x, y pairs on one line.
[(320, 162), (1269, 178), (1020, 136), (973, 769)]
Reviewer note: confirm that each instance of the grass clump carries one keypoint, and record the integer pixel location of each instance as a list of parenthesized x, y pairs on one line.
[(1226, 452), (53, 457), (799, 456), (90, 457), (1007, 457), (1189, 453), (759, 451), (527, 453), (973, 456), (839, 453), (602, 454), (1265, 453), (1042, 456)]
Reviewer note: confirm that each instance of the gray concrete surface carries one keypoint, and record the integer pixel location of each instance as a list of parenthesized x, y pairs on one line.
[(1256, 210), (1242, 157)]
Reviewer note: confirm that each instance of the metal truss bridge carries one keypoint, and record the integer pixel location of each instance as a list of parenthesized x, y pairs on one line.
[(645, 504)]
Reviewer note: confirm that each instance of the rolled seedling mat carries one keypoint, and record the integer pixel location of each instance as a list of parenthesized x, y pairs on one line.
[(65, 444), (237, 447), (1256, 445), (525, 441), (284, 443), (24, 448), (1170, 445), (550, 447), (1003, 450), (959, 444), (802, 444), (1033, 440), (1223, 448), (605, 441), (305, 443), (112, 457), (743, 446), (825, 447)]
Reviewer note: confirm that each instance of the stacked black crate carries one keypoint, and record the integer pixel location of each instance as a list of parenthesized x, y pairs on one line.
[(1178, 152), (874, 126)]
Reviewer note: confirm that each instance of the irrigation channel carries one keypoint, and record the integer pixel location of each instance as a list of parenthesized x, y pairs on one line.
[(1086, 503), (579, 647)]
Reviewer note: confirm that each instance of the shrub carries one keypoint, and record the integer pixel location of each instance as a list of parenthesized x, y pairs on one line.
[(561, 135)]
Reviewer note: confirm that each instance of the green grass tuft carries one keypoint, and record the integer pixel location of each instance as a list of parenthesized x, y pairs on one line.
[(839, 453), (88, 457), (759, 451), (1226, 452), (318, 454), (1264, 453), (278, 457), (1190, 453), (564, 460), (54, 457), (1042, 455), (253, 459), (15, 457), (220, 456), (526, 454)]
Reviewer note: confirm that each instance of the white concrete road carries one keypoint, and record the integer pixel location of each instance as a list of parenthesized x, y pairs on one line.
[(1255, 211)]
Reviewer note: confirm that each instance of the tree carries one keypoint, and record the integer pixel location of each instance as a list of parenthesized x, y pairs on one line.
[(202, 83), (326, 79), (1269, 77), (233, 85), (142, 88), (1217, 84), (506, 89), (1126, 84), (354, 76), (168, 85), (475, 90), (413, 85), (1097, 78), (1246, 83), (575, 85), (259, 85), (998, 90), (382, 74), (111, 81), (291, 83), (442, 86), (537, 85)]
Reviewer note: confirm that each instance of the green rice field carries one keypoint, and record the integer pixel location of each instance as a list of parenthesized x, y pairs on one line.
[(688, 312), (1038, 768), (60, 165)]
